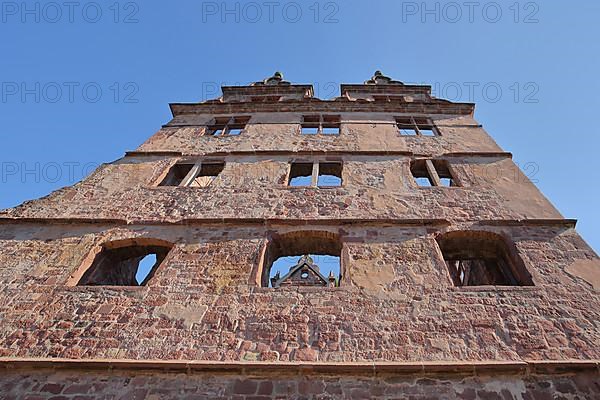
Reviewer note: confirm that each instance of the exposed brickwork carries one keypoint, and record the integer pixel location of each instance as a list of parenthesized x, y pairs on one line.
[(396, 300)]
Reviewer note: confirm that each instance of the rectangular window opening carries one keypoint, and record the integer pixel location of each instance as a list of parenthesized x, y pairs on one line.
[(442, 168), (330, 175), (216, 131), (207, 174), (418, 169), (125, 266), (477, 258), (408, 132), (300, 174), (329, 271), (321, 124), (410, 126), (423, 181), (428, 173), (310, 130), (203, 174), (227, 126), (427, 132), (331, 130), (177, 174), (446, 182), (235, 131)]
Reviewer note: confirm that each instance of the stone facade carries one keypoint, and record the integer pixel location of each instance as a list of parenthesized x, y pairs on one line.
[(396, 306)]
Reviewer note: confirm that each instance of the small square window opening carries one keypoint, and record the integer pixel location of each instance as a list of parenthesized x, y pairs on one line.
[(310, 130), (227, 126), (207, 175), (320, 124), (330, 175), (333, 130), (300, 174), (177, 174), (410, 126)]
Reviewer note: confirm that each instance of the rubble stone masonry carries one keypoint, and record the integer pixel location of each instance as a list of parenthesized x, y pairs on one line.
[(397, 327)]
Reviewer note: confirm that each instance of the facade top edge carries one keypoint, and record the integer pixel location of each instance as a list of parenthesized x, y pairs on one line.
[(378, 91)]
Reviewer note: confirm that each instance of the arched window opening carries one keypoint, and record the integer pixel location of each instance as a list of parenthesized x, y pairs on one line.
[(303, 259), (477, 258), (131, 265)]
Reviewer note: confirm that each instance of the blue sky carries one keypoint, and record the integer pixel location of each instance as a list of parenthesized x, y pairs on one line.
[(82, 84)]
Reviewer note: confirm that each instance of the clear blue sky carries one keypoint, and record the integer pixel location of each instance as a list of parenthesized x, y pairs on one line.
[(150, 53)]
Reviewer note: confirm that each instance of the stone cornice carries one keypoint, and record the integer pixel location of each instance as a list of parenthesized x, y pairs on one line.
[(267, 90), (387, 89), (493, 154), (567, 223), (339, 105)]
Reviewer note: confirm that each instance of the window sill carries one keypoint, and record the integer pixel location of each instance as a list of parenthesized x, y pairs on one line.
[(223, 136), (492, 288), (177, 187), (300, 289), (88, 289), (314, 187), (421, 136), (439, 187), (320, 134)]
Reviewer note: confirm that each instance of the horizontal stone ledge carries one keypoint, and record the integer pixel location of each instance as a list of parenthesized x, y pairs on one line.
[(305, 368), (277, 153), (62, 221), (344, 122), (311, 105), (159, 153), (225, 221), (379, 153), (569, 223)]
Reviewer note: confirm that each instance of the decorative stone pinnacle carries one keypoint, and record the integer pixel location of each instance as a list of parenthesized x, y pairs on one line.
[(380, 79), (275, 80), (306, 259)]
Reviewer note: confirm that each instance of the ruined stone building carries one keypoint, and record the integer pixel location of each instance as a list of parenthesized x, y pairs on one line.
[(269, 245)]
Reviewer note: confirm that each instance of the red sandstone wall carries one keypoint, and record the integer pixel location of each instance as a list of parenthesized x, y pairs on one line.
[(396, 302), (130, 386), (374, 187)]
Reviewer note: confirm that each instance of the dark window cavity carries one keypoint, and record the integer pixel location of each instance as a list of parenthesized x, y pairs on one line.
[(416, 126), (427, 173), (320, 124), (303, 259), (227, 126), (132, 265), (482, 258)]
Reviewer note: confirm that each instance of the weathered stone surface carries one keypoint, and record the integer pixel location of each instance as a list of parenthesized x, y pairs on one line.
[(396, 300), (119, 385)]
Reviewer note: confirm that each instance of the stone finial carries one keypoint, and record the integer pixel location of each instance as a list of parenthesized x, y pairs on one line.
[(306, 259), (380, 79), (275, 279), (331, 279), (275, 80)]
